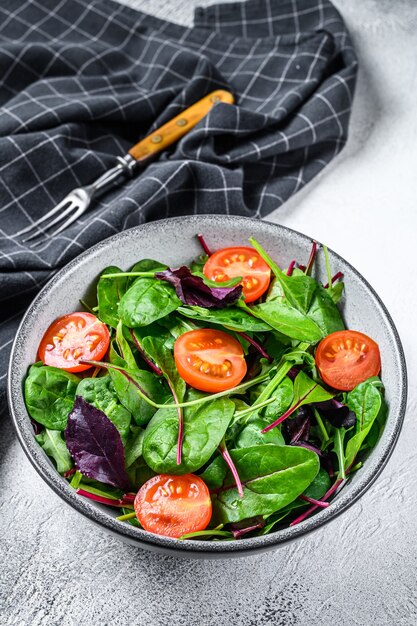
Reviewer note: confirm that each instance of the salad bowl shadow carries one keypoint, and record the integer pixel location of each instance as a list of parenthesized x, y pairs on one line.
[(174, 242)]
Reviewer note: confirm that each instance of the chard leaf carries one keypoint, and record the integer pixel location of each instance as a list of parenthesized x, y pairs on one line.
[(365, 400), (204, 428), (49, 395), (192, 290), (147, 301), (306, 391), (272, 477), (232, 317), (95, 445), (109, 294), (161, 355), (55, 447), (126, 382), (101, 393)]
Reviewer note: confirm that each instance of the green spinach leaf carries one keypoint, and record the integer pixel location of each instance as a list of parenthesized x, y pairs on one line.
[(109, 294), (251, 434), (55, 447), (50, 395), (324, 312), (134, 445), (204, 428), (147, 301), (365, 400), (288, 320), (272, 477), (101, 393)]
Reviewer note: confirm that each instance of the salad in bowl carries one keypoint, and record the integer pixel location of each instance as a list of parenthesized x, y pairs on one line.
[(216, 400)]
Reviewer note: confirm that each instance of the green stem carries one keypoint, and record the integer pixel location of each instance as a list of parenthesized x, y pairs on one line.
[(213, 396), (338, 441), (328, 268), (255, 407), (322, 427), (86, 306), (126, 516), (76, 479), (265, 256), (207, 533)]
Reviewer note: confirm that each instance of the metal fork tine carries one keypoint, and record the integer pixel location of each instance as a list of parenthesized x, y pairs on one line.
[(42, 231), (50, 213), (67, 223)]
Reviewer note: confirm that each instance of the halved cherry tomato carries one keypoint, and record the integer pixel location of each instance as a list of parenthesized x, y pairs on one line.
[(240, 261), (73, 338), (173, 505), (209, 360), (347, 358)]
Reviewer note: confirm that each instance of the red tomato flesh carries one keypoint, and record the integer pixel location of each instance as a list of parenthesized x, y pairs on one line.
[(173, 505), (240, 261), (347, 358), (73, 338), (209, 360)]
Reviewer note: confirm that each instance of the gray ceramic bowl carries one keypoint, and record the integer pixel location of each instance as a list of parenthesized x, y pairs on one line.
[(173, 241)]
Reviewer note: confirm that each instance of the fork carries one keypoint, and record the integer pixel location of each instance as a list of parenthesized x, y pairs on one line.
[(78, 200)]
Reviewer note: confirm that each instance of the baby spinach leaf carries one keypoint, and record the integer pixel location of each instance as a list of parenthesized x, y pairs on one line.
[(125, 350), (50, 395), (298, 289), (55, 447), (161, 355), (272, 477), (139, 472), (124, 384), (336, 292), (324, 312), (283, 395), (134, 445), (365, 400), (232, 317), (204, 428), (251, 434), (95, 445), (100, 392), (145, 265), (288, 320), (109, 294), (146, 301)]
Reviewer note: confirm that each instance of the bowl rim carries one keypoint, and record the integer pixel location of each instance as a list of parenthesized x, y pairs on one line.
[(190, 548)]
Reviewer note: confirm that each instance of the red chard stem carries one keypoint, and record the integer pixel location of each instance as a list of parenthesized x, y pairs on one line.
[(203, 244)]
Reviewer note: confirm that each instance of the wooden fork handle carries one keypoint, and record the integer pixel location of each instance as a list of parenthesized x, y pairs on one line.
[(179, 126)]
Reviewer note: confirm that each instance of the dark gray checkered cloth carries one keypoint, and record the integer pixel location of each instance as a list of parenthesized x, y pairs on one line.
[(82, 81)]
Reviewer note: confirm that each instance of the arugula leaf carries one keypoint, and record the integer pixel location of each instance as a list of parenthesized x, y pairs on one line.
[(232, 317), (95, 445), (147, 301), (204, 428), (109, 294), (55, 447), (49, 395), (101, 393), (365, 400), (272, 477)]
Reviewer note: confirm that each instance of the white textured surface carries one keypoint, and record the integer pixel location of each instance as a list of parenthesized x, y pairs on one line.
[(57, 570)]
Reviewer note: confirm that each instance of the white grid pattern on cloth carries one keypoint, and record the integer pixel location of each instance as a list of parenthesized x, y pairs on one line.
[(81, 81)]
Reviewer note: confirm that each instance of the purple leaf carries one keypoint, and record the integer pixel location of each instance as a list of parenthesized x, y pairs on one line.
[(193, 291), (299, 426), (338, 414), (95, 445)]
